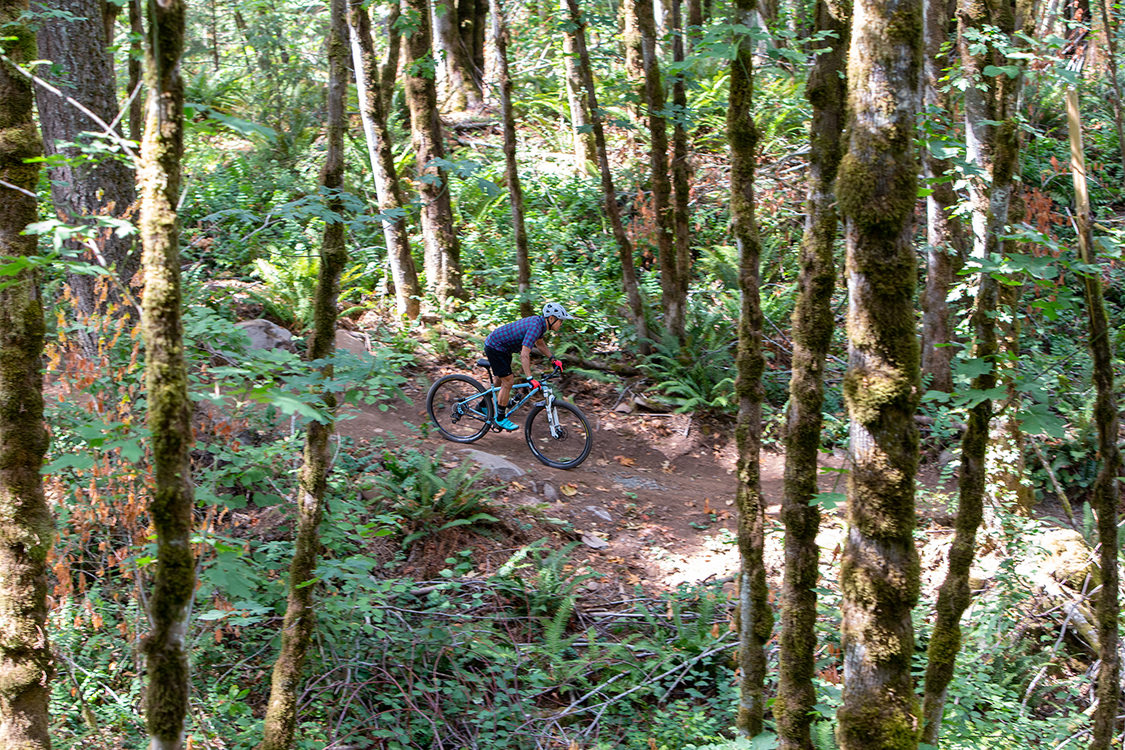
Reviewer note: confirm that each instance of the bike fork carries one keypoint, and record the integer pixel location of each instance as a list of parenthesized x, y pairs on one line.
[(552, 416)]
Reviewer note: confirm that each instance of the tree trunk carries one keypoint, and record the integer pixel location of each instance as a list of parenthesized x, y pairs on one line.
[(462, 89), (169, 408), (388, 71), (511, 169), (1104, 498), (136, 74), (76, 42), (472, 23), (585, 147), (652, 100), (634, 63), (755, 617), (613, 211), (442, 256), (26, 526), (813, 325), (944, 238), (297, 627), (391, 204), (681, 165), (876, 189)]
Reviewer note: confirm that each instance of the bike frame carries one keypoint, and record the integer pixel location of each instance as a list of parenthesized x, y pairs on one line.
[(544, 388)]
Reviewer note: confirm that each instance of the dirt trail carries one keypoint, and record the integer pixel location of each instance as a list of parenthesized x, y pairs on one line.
[(654, 501)]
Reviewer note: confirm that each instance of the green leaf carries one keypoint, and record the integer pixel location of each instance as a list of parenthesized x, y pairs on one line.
[(80, 461), (829, 500)]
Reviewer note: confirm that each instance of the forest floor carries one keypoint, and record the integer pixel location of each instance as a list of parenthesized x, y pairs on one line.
[(653, 505)]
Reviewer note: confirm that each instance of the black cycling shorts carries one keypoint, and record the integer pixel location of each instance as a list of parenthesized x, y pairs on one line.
[(501, 362)]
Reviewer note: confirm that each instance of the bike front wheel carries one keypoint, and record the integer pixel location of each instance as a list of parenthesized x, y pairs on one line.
[(455, 405), (571, 442)]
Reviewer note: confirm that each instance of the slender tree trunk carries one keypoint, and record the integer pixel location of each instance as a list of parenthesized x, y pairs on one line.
[(511, 169), (694, 22), (169, 408), (388, 71), (391, 204), (634, 62), (944, 238), (681, 165), (613, 211), (1104, 499), (876, 189), (755, 617), (297, 627), (26, 526), (136, 74), (462, 90), (472, 23), (442, 256), (652, 99), (813, 326), (993, 99), (585, 146), (76, 42)]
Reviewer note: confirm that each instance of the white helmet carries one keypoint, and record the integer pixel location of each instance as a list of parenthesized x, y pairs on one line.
[(557, 310)]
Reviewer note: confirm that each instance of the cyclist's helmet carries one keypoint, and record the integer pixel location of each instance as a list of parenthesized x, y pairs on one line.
[(557, 310)]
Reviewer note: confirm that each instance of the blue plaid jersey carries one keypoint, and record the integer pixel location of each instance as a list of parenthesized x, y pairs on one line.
[(514, 336)]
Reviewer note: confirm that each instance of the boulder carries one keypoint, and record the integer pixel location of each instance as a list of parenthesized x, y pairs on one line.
[(266, 335)]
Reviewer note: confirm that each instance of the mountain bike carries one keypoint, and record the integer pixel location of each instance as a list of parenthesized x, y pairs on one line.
[(557, 432)]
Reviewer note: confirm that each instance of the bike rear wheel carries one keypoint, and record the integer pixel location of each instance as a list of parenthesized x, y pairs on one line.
[(457, 414), (569, 446)]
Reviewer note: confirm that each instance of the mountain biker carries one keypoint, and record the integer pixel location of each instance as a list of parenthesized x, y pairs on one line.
[(520, 336)]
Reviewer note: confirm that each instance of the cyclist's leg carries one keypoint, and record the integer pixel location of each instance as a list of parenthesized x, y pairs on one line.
[(501, 363)]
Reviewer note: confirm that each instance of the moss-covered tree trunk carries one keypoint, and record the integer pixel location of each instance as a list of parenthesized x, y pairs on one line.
[(992, 119), (945, 241), (652, 98), (813, 325), (297, 626), (577, 30), (26, 527), (136, 72), (391, 205), (74, 39), (462, 87), (755, 618), (876, 188), (442, 254), (1103, 500), (585, 146), (169, 408), (511, 168), (681, 164)]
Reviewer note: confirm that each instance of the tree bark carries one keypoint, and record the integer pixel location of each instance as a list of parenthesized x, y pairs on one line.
[(391, 204), (876, 189), (755, 617), (297, 627), (169, 408), (813, 325), (1103, 500), (944, 239), (624, 248), (388, 72), (651, 93), (77, 43), (136, 74), (463, 91), (992, 119), (681, 165), (472, 24), (26, 526), (511, 168), (442, 256), (585, 146)]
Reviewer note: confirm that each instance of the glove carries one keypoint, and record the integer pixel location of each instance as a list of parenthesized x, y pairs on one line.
[(533, 383), (557, 363)]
